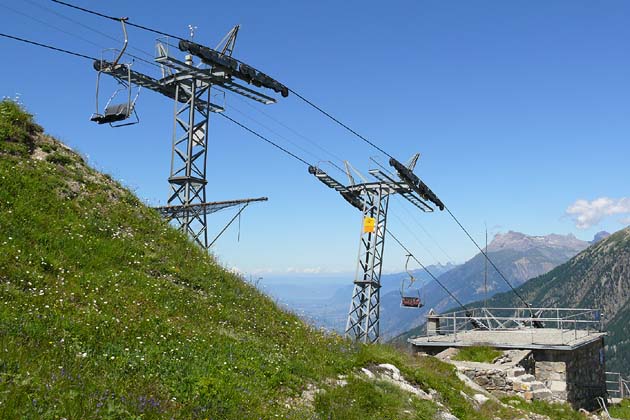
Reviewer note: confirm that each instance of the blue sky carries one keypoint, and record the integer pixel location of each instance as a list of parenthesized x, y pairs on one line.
[(519, 110)]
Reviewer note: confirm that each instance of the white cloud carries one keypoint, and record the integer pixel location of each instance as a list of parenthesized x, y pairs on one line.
[(588, 213), (310, 270), (625, 221)]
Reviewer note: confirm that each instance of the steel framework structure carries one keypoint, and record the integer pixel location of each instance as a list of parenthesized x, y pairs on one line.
[(372, 199), (190, 86), (189, 154), (364, 313)]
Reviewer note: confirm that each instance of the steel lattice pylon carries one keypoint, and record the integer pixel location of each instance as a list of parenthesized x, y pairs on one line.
[(190, 85), (189, 152), (372, 199), (364, 313)]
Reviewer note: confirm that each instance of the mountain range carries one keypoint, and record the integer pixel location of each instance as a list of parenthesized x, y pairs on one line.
[(597, 278), (517, 255)]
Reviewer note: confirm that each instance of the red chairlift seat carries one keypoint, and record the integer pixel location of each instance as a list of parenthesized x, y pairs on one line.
[(407, 301), (411, 302)]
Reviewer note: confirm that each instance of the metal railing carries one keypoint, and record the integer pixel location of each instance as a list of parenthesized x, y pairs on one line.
[(569, 323), (602, 406), (617, 386)]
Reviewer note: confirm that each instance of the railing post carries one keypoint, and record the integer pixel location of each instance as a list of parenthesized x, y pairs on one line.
[(454, 326), (558, 318)]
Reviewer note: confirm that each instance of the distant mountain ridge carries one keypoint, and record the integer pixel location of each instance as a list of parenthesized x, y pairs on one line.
[(597, 278), (517, 255), (521, 242), (599, 236)]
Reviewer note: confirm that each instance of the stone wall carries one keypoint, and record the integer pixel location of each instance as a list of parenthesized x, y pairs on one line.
[(553, 375), (506, 381), (578, 375), (494, 381)]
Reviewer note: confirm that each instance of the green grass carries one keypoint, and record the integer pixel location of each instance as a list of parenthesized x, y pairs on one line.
[(621, 411), (16, 129), (107, 312), (482, 354), (59, 158), (361, 399), (555, 411)]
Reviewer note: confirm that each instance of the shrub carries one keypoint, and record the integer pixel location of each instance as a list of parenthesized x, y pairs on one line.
[(59, 159)]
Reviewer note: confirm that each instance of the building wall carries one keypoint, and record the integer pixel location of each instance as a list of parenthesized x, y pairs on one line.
[(577, 376)]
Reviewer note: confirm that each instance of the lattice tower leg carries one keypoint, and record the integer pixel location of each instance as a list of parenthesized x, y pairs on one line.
[(189, 155), (364, 313)]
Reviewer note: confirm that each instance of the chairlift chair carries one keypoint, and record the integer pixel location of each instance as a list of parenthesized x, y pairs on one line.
[(407, 300), (117, 112)]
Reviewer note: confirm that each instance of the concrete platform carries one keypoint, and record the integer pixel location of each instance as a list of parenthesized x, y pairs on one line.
[(527, 338)]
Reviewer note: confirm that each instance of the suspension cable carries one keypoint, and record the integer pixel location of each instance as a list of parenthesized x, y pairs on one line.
[(488, 259), (277, 146), (295, 132), (427, 270), (27, 41), (146, 28), (312, 104), (365, 140), (84, 26), (275, 133), (50, 47)]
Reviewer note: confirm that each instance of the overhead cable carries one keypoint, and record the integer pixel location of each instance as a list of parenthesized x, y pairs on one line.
[(297, 133), (488, 258), (426, 269), (278, 135), (84, 26), (294, 156), (27, 41), (146, 28), (307, 101), (50, 47), (312, 104), (340, 123)]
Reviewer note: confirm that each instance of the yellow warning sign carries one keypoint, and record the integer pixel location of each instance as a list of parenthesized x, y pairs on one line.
[(369, 225)]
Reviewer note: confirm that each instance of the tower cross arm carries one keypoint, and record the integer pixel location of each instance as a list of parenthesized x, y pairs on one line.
[(122, 71), (233, 67), (352, 197), (411, 179)]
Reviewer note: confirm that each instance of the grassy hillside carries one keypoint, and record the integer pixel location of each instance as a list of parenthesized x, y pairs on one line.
[(107, 312)]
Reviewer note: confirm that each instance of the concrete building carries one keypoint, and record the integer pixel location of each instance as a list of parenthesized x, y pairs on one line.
[(562, 356)]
